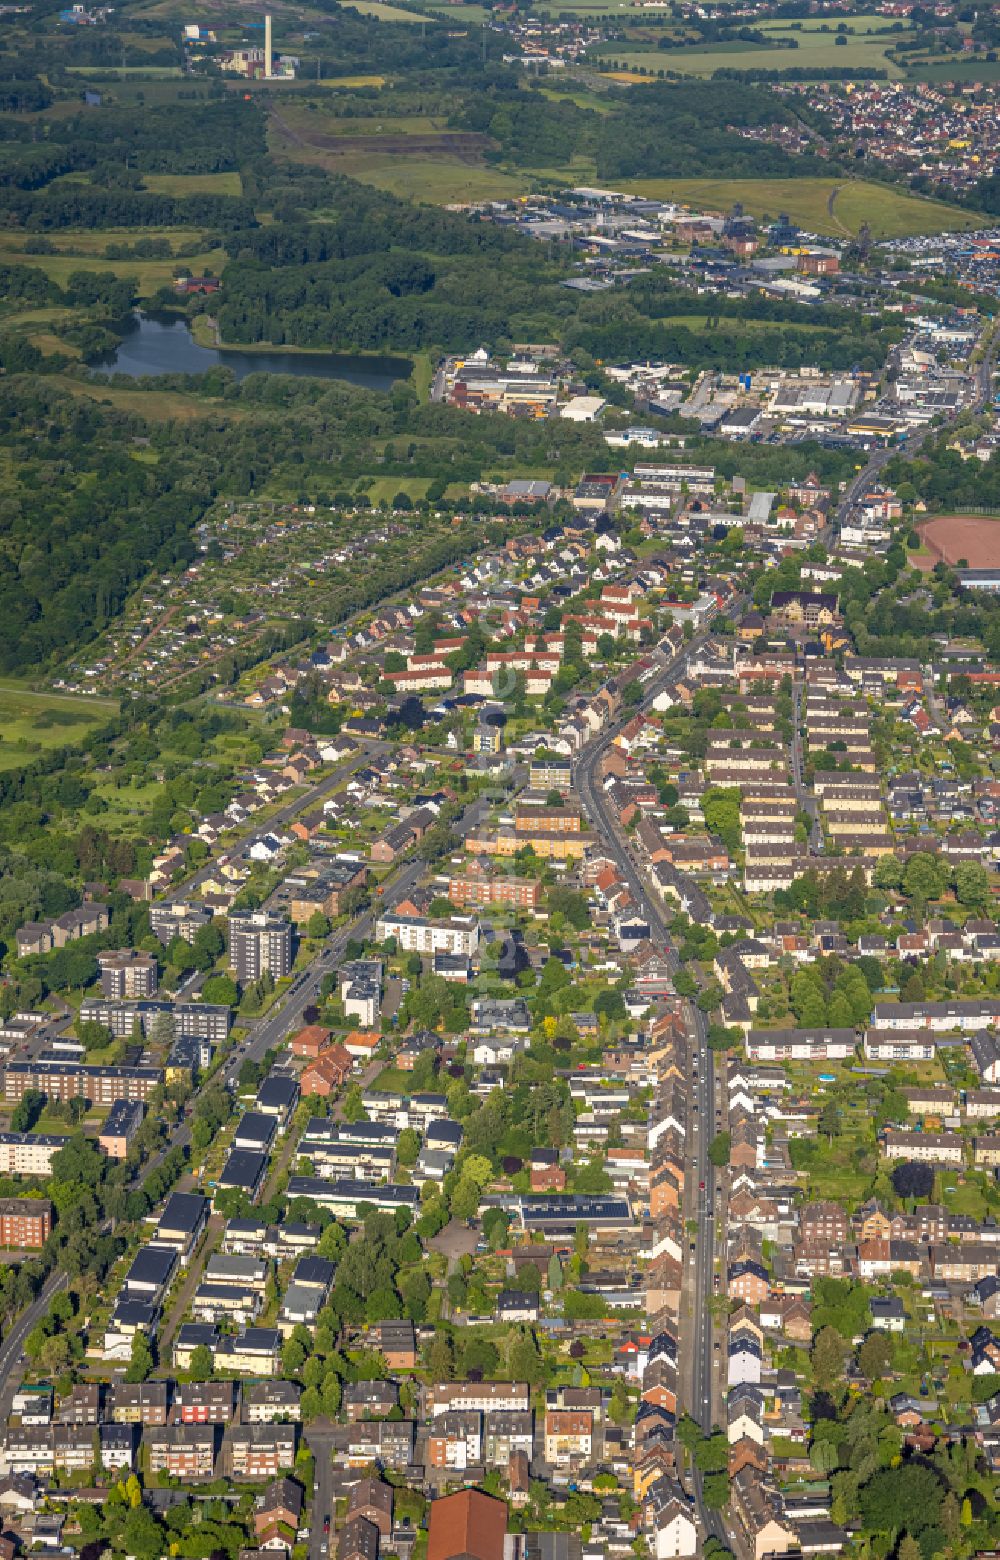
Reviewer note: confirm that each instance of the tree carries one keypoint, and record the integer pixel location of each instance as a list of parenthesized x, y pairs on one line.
[(875, 1356), (221, 989), (718, 1150), (715, 1486), (141, 1365), (318, 925), (441, 1359), (972, 885), (206, 946), (923, 878), (525, 1359), (888, 873), (201, 1363), (711, 1453), (407, 1147), (907, 1498), (144, 1535), (465, 1199), (27, 1110), (496, 1226), (912, 989), (828, 1352), (912, 1179)]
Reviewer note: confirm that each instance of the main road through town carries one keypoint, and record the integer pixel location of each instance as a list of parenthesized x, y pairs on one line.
[(703, 1394)]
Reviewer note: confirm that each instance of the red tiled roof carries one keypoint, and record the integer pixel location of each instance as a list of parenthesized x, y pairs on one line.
[(468, 1524)]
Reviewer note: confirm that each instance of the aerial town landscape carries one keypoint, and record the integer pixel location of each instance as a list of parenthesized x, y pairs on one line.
[(500, 780)]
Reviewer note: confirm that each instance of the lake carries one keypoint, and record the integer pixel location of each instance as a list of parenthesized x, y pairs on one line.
[(161, 344)]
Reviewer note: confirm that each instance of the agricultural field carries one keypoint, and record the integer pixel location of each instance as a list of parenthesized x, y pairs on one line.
[(32, 723), (821, 206), (817, 52)]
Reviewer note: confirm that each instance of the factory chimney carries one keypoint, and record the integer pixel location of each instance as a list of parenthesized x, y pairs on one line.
[(268, 62)]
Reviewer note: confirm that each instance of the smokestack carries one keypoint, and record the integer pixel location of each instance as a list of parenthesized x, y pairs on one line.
[(268, 66)]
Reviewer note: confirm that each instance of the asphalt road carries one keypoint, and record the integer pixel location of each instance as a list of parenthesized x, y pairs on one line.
[(301, 803), (286, 1014), (700, 1273), (321, 1535), (11, 1374), (805, 799)]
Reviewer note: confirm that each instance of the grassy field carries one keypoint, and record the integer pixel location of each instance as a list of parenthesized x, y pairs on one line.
[(383, 12), (157, 405), (891, 213), (699, 322), (955, 69), (42, 328), (416, 156), (863, 22), (193, 183), (582, 99), (123, 72), (588, 8), (87, 244), (151, 274), (354, 81), (32, 723), (322, 120), (439, 180), (818, 52), (457, 13)]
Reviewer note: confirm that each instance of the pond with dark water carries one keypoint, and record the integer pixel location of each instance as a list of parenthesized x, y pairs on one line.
[(162, 344)]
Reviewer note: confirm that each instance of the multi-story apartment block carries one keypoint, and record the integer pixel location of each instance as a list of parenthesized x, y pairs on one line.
[(261, 1451), (29, 1153), (414, 934), (78, 1080), (127, 973), (25, 1222), (186, 1451), (259, 944)]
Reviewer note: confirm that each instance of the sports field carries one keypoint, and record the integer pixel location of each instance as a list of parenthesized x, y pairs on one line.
[(32, 723), (824, 206), (951, 538)]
